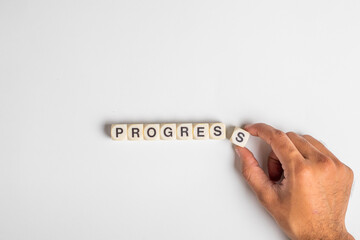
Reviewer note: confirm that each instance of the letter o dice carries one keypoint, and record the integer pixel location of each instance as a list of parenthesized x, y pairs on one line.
[(152, 132)]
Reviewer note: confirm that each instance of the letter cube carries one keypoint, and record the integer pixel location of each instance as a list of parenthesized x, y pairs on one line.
[(240, 137), (217, 131), (119, 132), (135, 132), (152, 132), (201, 131), (168, 131), (184, 131)]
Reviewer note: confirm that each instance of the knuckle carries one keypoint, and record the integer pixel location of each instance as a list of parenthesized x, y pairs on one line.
[(324, 159), (307, 136), (293, 154), (265, 197), (291, 134), (350, 173), (277, 134), (303, 172), (247, 174), (327, 164), (347, 173)]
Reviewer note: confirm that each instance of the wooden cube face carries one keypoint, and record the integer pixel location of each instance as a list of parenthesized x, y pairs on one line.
[(240, 137), (201, 131), (184, 131), (135, 132), (119, 132), (168, 131), (152, 132), (217, 131)]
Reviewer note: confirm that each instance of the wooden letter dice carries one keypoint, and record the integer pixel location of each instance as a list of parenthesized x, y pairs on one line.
[(152, 132), (240, 137), (217, 131), (184, 131), (119, 132), (135, 131), (201, 131), (168, 131)]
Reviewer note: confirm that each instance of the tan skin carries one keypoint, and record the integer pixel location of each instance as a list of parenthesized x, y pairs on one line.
[(310, 202)]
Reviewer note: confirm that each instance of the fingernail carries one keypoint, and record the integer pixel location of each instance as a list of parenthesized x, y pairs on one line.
[(247, 126)]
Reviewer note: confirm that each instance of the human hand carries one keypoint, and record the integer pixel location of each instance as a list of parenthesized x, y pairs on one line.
[(310, 201)]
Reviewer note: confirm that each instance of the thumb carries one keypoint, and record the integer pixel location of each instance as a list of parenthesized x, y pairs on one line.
[(255, 176)]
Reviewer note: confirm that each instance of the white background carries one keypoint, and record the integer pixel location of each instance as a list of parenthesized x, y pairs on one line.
[(68, 69)]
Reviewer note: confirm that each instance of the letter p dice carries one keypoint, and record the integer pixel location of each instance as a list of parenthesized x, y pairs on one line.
[(119, 132)]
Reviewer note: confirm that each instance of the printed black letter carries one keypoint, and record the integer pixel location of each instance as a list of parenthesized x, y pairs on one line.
[(154, 132), (184, 130), (240, 137), (200, 131), (119, 131), (135, 131), (217, 131), (169, 133)]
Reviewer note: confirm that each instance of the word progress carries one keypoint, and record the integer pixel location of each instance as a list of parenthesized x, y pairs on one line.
[(177, 131)]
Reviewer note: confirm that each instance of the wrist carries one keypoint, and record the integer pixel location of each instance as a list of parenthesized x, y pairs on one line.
[(327, 236)]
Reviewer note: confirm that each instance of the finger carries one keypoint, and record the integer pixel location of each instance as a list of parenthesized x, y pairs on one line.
[(255, 176), (274, 167), (303, 145), (280, 143), (317, 144)]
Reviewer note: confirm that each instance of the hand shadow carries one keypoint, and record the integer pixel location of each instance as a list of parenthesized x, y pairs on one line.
[(261, 151)]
